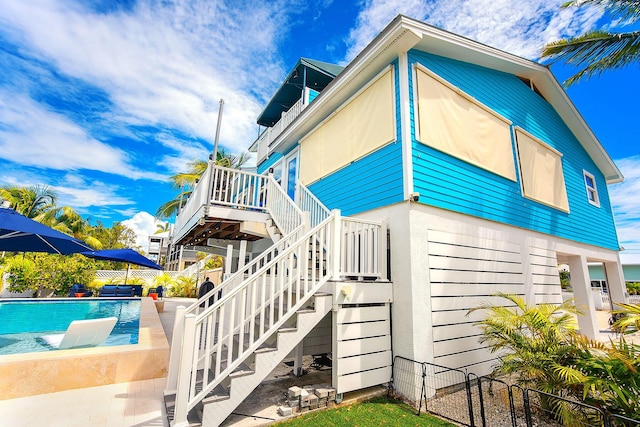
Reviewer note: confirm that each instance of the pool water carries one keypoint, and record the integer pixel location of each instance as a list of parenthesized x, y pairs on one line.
[(23, 322)]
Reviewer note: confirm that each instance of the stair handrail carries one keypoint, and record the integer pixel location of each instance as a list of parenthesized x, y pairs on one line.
[(324, 234), (247, 269), (308, 202), (282, 209)]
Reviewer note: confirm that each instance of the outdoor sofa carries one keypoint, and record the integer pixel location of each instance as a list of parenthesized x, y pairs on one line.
[(116, 291)]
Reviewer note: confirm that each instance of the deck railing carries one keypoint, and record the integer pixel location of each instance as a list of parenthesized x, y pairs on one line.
[(270, 134), (240, 189), (363, 249)]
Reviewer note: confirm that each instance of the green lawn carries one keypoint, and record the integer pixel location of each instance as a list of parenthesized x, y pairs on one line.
[(377, 412)]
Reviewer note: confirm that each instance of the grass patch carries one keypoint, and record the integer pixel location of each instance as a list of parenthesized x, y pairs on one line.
[(377, 412)]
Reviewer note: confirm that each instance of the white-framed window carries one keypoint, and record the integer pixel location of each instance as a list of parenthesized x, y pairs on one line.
[(592, 189)]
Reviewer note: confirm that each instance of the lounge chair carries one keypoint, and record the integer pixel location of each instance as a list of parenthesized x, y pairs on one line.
[(82, 333)]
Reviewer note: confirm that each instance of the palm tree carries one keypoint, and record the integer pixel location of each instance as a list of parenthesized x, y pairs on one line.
[(36, 202), (162, 227), (599, 50), (531, 340), (630, 317), (71, 223), (186, 181)]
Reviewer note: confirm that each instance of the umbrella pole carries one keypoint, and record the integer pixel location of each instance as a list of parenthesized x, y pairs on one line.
[(127, 275)]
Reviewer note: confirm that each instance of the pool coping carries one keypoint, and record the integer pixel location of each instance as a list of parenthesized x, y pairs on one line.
[(29, 374)]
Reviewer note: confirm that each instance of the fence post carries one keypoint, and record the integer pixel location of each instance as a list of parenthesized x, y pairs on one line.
[(467, 384), (527, 408), (174, 353), (337, 244), (184, 374)]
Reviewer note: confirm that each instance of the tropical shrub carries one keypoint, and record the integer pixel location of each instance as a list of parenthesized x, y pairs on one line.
[(45, 272), (165, 280), (213, 263), (540, 348), (184, 286), (633, 288)]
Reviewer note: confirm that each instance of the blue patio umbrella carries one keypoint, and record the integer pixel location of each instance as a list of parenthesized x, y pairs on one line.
[(123, 255), (21, 234)]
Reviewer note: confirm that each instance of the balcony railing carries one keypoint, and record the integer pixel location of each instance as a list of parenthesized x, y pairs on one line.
[(270, 134)]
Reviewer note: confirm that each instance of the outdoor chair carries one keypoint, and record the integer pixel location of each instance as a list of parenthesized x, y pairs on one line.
[(79, 288), (82, 333), (157, 290)]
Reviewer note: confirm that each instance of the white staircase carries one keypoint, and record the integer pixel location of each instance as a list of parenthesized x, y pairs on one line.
[(221, 351), (265, 359)]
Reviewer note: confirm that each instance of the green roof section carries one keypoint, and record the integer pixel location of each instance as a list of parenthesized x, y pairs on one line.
[(307, 72)]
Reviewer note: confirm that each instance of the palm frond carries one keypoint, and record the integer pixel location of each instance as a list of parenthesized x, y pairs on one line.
[(626, 9), (595, 52)]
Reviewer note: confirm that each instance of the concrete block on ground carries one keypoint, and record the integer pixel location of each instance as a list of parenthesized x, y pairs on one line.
[(293, 392), (285, 411)]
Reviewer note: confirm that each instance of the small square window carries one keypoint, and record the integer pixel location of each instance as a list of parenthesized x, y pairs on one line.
[(592, 190)]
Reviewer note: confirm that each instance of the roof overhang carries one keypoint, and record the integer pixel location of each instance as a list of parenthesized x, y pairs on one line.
[(404, 34)]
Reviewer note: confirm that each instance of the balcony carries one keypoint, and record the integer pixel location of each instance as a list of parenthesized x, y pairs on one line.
[(266, 138)]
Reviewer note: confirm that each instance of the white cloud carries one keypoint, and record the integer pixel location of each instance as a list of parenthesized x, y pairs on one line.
[(34, 136), (626, 209), (163, 62), (143, 224), (519, 27)]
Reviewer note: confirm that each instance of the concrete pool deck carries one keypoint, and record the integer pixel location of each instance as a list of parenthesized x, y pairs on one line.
[(31, 374)]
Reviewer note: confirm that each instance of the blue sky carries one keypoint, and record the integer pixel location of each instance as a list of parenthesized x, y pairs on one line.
[(104, 100)]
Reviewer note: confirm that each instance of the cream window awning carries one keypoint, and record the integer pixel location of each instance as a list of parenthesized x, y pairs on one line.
[(541, 171), (453, 122), (361, 126)]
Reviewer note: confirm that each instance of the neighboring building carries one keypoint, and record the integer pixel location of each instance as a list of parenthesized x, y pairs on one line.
[(630, 270), (454, 171), (180, 258), (158, 244)]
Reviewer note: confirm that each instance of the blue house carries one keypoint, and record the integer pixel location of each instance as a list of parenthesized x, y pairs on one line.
[(391, 197)]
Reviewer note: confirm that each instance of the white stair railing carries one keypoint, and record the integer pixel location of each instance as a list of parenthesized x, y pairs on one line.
[(257, 309), (308, 202)]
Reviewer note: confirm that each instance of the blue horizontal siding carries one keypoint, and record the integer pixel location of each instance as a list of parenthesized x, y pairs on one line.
[(449, 183), (368, 183), (273, 158)]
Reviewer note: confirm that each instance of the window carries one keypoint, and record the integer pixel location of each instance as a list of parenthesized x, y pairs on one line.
[(363, 124), (541, 172), (592, 190), (453, 122)]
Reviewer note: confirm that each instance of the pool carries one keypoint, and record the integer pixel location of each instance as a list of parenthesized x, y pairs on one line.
[(23, 322)]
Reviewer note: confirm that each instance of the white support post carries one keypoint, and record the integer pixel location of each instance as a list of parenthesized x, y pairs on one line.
[(174, 353), (242, 255), (336, 256), (616, 285), (581, 285), (297, 360), (184, 375), (228, 261), (306, 221), (382, 251)]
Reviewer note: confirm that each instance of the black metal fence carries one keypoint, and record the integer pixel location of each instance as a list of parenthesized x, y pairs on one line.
[(470, 400)]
